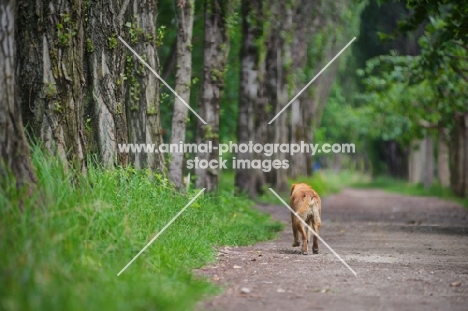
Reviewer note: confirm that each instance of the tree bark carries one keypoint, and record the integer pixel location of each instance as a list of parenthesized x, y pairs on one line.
[(216, 48), (429, 163), (15, 162), (459, 156), (183, 80), (250, 180), (323, 84), (84, 92), (416, 161), (142, 101), (278, 129), (106, 65), (271, 82), (443, 169), (51, 45), (302, 108), (420, 162)]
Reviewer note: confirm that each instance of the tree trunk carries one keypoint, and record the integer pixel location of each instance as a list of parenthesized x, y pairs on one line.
[(142, 102), (64, 44), (271, 81), (249, 180), (106, 63), (51, 45), (459, 156), (429, 163), (420, 162), (183, 80), (15, 163), (396, 158), (279, 74), (216, 48), (323, 84), (302, 107), (443, 169), (416, 161)]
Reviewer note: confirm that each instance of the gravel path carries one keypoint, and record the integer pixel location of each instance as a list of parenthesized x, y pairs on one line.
[(410, 253)]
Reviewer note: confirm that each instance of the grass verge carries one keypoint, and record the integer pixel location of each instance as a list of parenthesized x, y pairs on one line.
[(390, 184), (65, 253)]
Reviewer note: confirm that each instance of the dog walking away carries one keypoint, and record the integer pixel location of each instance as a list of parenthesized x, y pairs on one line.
[(306, 203)]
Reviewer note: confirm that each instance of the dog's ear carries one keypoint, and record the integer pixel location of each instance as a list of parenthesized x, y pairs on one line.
[(292, 188)]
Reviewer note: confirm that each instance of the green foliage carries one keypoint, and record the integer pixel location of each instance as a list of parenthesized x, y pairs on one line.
[(409, 94), (233, 18), (218, 75), (58, 108), (131, 69), (50, 90), (88, 125), (66, 30), (63, 252), (453, 12), (341, 122), (209, 135), (136, 33), (165, 98), (112, 42), (160, 32), (152, 111), (89, 46)]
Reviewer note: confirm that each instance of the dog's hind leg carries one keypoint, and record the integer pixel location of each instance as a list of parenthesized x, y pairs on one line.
[(316, 225), (309, 232), (315, 248), (302, 231), (295, 230)]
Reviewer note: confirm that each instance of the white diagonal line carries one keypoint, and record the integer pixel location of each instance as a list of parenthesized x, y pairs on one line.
[(308, 84), (159, 77), (160, 232), (325, 243)]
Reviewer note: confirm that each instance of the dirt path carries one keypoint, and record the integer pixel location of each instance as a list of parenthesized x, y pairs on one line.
[(410, 253)]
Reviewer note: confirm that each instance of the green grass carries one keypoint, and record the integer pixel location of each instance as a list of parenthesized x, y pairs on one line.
[(65, 253), (390, 184)]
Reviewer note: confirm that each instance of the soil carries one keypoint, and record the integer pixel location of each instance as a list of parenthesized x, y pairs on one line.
[(410, 253)]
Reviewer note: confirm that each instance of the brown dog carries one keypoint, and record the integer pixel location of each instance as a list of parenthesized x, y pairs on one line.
[(306, 203)]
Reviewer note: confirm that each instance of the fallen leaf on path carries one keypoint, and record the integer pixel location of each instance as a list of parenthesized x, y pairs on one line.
[(455, 284)]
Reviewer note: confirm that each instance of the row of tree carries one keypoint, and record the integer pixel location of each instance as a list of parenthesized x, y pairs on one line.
[(67, 74), (81, 91), (284, 44)]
